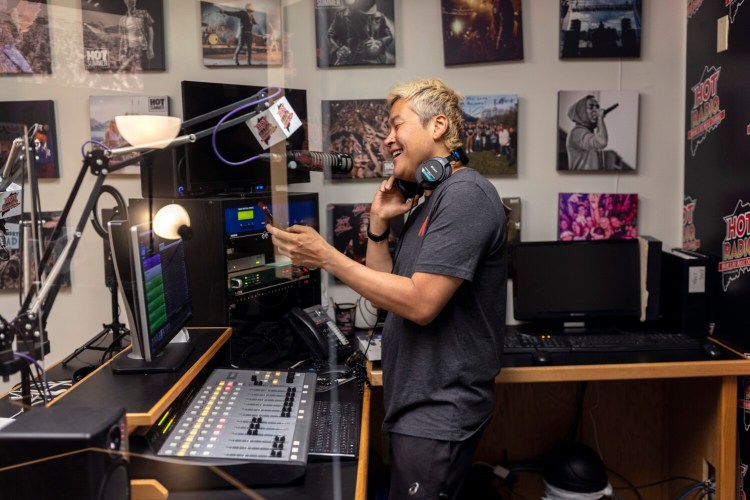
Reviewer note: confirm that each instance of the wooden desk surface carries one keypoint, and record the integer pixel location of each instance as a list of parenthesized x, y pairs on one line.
[(630, 371), (145, 396)]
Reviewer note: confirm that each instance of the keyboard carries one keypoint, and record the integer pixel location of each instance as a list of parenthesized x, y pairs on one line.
[(516, 342), (335, 429)]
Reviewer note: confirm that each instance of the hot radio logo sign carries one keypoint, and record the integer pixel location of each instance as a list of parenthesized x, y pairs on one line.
[(735, 253), (706, 114), (693, 6), (689, 241), (734, 6)]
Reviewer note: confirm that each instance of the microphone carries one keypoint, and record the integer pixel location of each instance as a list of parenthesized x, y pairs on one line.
[(611, 108), (313, 161)]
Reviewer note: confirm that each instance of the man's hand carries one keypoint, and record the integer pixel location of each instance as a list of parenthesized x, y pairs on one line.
[(387, 203), (303, 244)]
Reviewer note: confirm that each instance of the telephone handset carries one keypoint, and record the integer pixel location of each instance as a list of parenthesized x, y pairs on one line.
[(319, 333)]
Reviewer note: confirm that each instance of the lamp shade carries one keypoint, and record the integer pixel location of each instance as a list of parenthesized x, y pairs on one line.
[(171, 221), (152, 131)]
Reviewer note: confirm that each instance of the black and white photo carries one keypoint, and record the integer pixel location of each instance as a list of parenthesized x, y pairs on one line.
[(355, 32), (597, 130)]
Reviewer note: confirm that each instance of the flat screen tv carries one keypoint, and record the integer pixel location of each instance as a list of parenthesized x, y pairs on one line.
[(203, 173), (580, 281)]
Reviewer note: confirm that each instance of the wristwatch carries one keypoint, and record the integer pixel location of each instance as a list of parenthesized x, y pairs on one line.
[(378, 237)]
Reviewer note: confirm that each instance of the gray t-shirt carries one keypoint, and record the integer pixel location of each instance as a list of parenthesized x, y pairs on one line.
[(439, 379)]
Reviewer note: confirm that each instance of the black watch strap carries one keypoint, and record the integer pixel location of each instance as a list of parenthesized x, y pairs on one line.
[(378, 237)]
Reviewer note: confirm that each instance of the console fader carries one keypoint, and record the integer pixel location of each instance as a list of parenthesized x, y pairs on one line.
[(258, 421)]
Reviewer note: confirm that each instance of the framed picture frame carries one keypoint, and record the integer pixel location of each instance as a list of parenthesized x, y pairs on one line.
[(491, 133), (102, 112), (358, 127), (11, 258), (14, 116), (597, 216), (355, 33), (349, 222), (481, 32), (600, 28), (24, 35), (597, 131), (241, 33), (124, 36)]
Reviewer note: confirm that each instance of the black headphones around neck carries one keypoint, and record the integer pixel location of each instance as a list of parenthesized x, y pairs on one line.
[(430, 173)]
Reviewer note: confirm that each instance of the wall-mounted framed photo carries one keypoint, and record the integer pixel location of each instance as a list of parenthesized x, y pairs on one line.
[(478, 32), (597, 130), (123, 35), (11, 258), (491, 133), (597, 216), (24, 37), (348, 224), (38, 118), (241, 33), (102, 112), (600, 28), (358, 127), (355, 33)]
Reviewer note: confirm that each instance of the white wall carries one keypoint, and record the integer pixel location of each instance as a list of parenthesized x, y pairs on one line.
[(658, 75)]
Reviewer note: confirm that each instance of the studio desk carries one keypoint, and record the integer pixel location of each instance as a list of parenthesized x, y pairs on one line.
[(147, 396), (649, 421)]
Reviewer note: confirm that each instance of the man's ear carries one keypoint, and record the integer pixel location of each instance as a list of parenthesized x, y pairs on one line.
[(439, 126)]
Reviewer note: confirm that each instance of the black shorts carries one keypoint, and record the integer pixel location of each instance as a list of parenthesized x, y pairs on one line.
[(429, 468)]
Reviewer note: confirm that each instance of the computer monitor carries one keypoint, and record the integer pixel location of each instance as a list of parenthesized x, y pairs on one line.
[(204, 173), (160, 300), (564, 282)]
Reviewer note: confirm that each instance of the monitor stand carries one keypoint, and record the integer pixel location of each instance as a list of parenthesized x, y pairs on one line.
[(169, 360)]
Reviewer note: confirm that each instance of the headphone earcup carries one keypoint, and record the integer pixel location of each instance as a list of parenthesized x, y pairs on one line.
[(432, 172)]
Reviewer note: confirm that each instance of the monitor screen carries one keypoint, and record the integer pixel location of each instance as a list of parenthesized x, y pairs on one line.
[(251, 218), (203, 172), (162, 288), (564, 281)]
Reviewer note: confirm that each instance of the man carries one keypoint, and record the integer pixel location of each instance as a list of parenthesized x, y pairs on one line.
[(589, 137), (445, 293), (136, 30), (245, 38)]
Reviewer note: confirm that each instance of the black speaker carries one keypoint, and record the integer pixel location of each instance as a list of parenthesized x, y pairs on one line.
[(65, 453)]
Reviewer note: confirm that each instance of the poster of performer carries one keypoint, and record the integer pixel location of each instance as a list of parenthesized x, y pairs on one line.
[(348, 224), (597, 130), (24, 37), (597, 216), (477, 32), (600, 28), (491, 133), (359, 128), (102, 113), (11, 258), (39, 119), (242, 33), (123, 35), (355, 32)]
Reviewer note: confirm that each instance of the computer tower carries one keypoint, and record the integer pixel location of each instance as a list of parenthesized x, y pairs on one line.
[(65, 453), (231, 259), (686, 293)]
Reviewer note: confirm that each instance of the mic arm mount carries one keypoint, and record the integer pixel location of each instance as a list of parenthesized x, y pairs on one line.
[(27, 328)]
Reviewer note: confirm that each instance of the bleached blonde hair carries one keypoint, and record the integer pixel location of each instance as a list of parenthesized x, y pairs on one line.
[(429, 97)]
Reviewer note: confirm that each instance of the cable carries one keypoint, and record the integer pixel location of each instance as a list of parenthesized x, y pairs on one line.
[(631, 486), (695, 487), (39, 368)]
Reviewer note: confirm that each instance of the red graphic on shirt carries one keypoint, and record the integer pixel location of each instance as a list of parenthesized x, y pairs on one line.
[(424, 226)]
